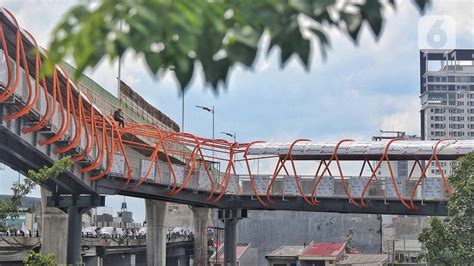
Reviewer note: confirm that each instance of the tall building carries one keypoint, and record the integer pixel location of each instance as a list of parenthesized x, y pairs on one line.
[(447, 97), (124, 216)]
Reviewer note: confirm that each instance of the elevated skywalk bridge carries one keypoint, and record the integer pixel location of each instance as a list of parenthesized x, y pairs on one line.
[(46, 118)]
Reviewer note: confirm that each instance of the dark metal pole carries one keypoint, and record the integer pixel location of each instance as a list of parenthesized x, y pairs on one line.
[(182, 112), (213, 137), (74, 235), (119, 74), (217, 245)]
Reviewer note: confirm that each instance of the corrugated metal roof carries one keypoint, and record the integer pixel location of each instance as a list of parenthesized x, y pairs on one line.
[(363, 259), (240, 249), (316, 249), (286, 251)]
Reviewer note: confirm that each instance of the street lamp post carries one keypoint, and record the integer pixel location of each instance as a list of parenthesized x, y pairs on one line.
[(230, 135), (210, 110)]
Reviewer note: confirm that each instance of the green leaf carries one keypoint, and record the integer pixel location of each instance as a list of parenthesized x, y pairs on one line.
[(184, 71), (323, 41), (353, 23), (242, 53), (153, 61), (422, 4), (372, 12), (216, 72)]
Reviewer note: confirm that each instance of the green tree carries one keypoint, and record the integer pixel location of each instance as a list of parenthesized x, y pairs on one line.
[(450, 241), (11, 206), (177, 35), (36, 259)]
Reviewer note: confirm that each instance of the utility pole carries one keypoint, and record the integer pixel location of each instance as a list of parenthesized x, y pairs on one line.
[(182, 112), (234, 136), (212, 111), (119, 68)]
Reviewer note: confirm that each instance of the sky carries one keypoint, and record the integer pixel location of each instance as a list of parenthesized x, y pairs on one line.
[(357, 91)]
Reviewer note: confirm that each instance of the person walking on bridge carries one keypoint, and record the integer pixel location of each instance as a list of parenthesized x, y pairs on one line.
[(118, 116)]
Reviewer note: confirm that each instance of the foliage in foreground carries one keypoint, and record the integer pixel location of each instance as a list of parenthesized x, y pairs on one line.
[(180, 34), (10, 207), (450, 241), (37, 259)]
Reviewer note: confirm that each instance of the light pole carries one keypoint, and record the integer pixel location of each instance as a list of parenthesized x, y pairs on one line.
[(210, 110), (230, 135), (119, 74), (182, 112)]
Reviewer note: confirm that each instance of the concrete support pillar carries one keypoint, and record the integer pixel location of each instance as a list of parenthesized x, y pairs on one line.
[(156, 212), (230, 242), (53, 229), (74, 224), (202, 220)]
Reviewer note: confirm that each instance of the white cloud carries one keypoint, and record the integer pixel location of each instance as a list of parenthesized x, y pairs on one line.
[(405, 116), (462, 11)]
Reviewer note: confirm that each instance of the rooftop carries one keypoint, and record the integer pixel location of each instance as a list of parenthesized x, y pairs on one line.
[(241, 248), (363, 259), (317, 250), (286, 251)]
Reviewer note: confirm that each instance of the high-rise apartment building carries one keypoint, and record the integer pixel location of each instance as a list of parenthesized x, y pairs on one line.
[(447, 97)]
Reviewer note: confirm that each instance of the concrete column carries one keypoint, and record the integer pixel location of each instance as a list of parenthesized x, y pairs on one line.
[(156, 212), (54, 230), (230, 242), (74, 224), (202, 220)]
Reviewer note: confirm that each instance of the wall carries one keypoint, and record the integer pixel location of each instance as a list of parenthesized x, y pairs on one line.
[(268, 230), (180, 215), (250, 257)]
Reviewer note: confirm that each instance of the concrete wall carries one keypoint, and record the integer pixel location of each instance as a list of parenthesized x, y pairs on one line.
[(180, 215), (268, 230), (250, 257)]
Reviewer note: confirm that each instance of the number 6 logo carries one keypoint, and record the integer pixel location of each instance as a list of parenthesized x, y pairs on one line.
[(436, 32)]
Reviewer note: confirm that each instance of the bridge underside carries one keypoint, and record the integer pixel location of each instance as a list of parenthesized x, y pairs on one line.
[(21, 156), (148, 190)]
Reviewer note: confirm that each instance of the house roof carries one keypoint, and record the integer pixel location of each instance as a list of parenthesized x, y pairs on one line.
[(286, 251), (317, 250), (364, 259), (241, 248)]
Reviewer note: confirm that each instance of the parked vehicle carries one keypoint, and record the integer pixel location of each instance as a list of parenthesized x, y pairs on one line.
[(107, 232), (141, 232), (89, 231)]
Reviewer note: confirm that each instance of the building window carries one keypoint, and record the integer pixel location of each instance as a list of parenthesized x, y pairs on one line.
[(438, 110)]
